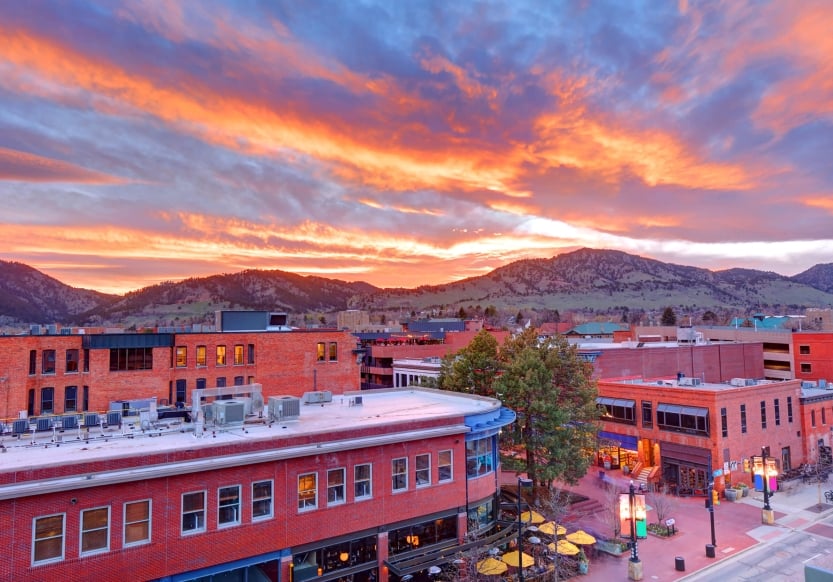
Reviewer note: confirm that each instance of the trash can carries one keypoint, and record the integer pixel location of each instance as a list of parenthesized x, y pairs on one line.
[(709, 551), (679, 564)]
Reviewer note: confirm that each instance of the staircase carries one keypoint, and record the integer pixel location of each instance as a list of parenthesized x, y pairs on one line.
[(641, 479)]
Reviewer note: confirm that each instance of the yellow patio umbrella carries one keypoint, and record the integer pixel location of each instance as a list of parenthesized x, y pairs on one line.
[(518, 559), (564, 548), (581, 538), (491, 567), (551, 529), (532, 517)]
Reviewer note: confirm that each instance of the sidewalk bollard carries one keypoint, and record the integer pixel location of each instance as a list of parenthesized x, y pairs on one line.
[(709, 551), (679, 564)]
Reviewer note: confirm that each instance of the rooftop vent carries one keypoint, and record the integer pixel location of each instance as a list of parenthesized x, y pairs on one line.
[(318, 397), (229, 412), (283, 408)]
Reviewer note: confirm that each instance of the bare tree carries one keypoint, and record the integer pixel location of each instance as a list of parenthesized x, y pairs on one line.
[(610, 509), (662, 503)]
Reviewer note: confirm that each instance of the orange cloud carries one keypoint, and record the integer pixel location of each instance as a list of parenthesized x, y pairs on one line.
[(25, 167)]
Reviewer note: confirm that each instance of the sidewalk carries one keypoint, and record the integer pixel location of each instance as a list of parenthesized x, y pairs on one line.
[(738, 527)]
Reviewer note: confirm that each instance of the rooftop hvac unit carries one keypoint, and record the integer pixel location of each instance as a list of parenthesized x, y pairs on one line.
[(229, 412), (750, 382), (318, 397), (284, 408), (689, 381), (738, 381)]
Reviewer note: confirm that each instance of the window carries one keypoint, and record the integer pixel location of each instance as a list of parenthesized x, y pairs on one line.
[(335, 487), (72, 361), (777, 404), (193, 512), (181, 356), (479, 457), (362, 482), (47, 400), (228, 506), (201, 383), (743, 418), (221, 383), (789, 408), (221, 355), (239, 380), (251, 349), (86, 354), (307, 491), (137, 523), (125, 359), (617, 409), (687, 419), (95, 530), (33, 362), (724, 423), (763, 414), (422, 470), (647, 414), (399, 474), (48, 362), (70, 398), (238, 355), (261, 500), (48, 539), (806, 368), (804, 350), (444, 466), (333, 351), (201, 356), (823, 416), (85, 398), (813, 417), (320, 351)]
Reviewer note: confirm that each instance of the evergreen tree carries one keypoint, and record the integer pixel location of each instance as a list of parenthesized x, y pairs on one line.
[(473, 368), (668, 317)]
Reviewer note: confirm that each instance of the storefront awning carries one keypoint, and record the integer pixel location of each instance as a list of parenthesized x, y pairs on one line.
[(625, 441), (616, 402)]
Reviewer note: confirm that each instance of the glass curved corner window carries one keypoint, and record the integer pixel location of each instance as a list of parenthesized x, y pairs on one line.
[(479, 457)]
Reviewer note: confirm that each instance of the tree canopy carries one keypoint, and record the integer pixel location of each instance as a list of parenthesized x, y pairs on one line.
[(551, 391), (668, 317)]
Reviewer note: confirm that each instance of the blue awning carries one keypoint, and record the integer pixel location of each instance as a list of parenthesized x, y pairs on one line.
[(625, 441)]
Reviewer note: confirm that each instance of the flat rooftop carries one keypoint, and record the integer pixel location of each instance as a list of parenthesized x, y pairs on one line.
[(693, 383), (378, 408)]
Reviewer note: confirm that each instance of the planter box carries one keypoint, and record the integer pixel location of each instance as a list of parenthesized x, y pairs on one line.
[(612, 548)]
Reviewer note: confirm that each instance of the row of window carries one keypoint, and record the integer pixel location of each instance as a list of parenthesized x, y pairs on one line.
[(49, 361), (47, 400), (327, 351), (240, 355), (49, 532), (776, 409)]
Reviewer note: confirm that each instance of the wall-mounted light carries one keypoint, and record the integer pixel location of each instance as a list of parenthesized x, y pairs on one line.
[(343, 556)]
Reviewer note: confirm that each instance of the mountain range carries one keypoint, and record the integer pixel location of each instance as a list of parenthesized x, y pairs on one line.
[(599, 281)]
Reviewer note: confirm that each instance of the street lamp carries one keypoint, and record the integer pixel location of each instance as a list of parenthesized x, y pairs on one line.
[(765, 472), (710, 501), (522, 482), (632, 508)]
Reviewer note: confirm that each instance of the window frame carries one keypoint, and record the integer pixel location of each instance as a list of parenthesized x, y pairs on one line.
[(70, 403), (763, 414), (647, 408), (181, 357), (307, 497), (743, 425), (220, 355), (202, 356), (91, 531), (260, 499), (320, 351), (804, 350), (72, 361), (789, 409), (399, 474), (127, 523), (47, 396), (199, 513), (332, 352), (237, 355), (479, 453), (422, 475), (47, 539), (235, 505), (724, 422), (48, 362), (776, 403), (442, 466), (806, 367), (366, 482), (333, 488)]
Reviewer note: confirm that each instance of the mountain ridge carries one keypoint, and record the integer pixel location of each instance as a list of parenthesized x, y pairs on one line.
[(594, 280)]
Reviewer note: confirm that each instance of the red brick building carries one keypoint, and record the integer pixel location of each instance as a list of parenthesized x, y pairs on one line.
[(374, 486), (674, 431)]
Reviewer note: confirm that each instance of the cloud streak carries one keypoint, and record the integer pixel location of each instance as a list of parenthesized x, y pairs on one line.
[(405, 144)]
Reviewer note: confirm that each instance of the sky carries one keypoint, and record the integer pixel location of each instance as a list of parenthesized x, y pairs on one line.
[(410, 143)]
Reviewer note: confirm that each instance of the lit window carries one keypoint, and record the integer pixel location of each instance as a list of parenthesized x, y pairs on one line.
[(238, 355), (444, 466), (193, 512), (181, 356), (201, 356), (221, 355), (362, 482), (320, 351), (228, 507), (48, 539), (261, 500), (422, 472), (307, 491), (137, 523), (95, 530), (335, 487), (333, 352), (399, 474)]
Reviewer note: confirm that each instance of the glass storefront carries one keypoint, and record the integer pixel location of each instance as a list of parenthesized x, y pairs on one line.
[(348, 555)]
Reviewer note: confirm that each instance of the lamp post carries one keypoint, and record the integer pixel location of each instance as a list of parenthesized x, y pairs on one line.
[(522, 482), (767, 515), (710, 499), (634, 564)]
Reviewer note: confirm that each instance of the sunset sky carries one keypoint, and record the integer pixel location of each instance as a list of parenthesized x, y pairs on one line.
[(413, 142)]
